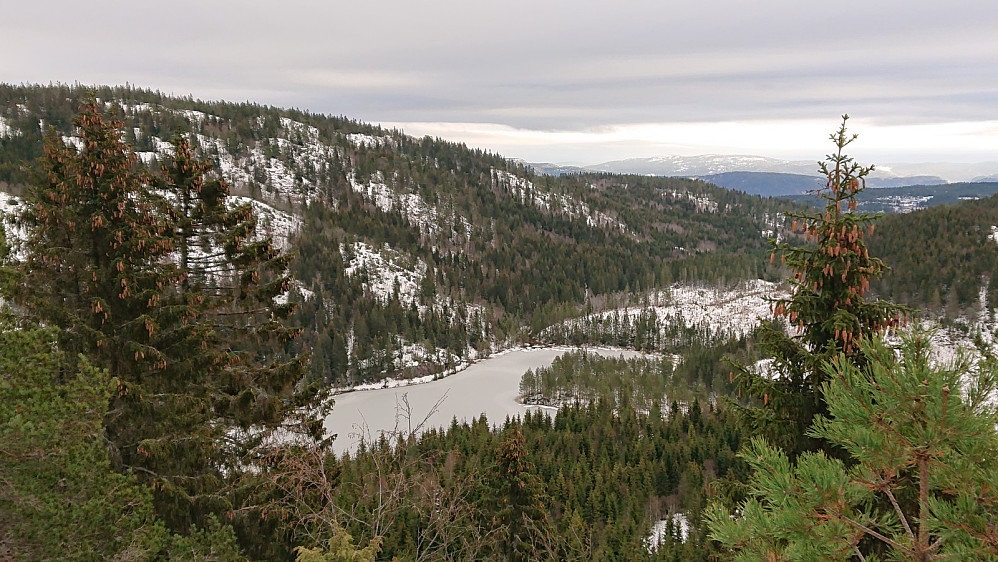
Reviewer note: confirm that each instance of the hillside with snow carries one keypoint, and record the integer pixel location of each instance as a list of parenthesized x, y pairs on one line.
[(413, 255)]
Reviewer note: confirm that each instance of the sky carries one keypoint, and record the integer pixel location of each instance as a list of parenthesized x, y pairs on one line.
[(573, 81)]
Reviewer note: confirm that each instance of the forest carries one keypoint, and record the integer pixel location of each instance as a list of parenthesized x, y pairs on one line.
[(166, 353)]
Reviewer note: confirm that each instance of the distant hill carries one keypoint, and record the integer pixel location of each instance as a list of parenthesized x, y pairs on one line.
[(767, 184), (912, 198), (884, 175), (902, 181), (415, 254), (548, 169), (704, 165), (941, 257)]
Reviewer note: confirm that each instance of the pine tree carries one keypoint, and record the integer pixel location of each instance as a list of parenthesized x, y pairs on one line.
[(922, 473), (827, 310), (61, 498)]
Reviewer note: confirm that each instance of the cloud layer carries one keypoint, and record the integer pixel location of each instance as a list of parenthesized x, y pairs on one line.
[(555, 68)]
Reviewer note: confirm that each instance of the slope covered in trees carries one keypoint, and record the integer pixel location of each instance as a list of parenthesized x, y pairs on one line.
[(412, 254), (941, 258)]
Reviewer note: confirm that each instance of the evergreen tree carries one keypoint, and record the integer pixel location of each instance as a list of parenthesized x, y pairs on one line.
[(828, 309), (921, 482), (61, 498), (174, 292), (519, 515)]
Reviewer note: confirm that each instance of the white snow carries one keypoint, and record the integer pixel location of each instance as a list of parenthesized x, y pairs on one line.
[(273, 222), (384, 271), (904, 203), (524, 190), (73, 141), (717, 312), (773, 226), (361, 139), (6, 130), (659, 529), (411, 205), (702, 203), (15, 233)]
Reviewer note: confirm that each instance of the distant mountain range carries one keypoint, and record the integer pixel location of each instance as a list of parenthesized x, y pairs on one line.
[(759, 175), (910, 198)]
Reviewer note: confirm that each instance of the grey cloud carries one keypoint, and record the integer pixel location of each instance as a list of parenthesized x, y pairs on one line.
[(543, 65)]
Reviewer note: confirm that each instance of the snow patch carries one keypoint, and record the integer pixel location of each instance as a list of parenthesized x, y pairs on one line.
[(385, 271), (701, 203), (679, 523), (6, 130), (720, 312), (411, 205), (74, 141), (272, 222), (525, 191), (363, 140)]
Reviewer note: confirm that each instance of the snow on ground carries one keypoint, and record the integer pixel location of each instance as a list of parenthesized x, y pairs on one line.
[(773, 226), (362, 140), (904, 203), (411, 205), (6, 130), (9, 209), (658, 530), (296, 285), (525, 191), (719, 312), (384, 271), (702, 203), (277, 224), (161, 148), (73, 141), (133, 109), (734, 312)]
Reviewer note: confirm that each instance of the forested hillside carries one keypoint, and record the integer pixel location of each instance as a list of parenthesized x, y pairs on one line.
[(414, 254), (187, 280), (943, 259)]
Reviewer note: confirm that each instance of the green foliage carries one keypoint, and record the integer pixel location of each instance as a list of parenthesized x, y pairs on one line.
[(605, 475), (518, 499), (61, 497), (340, 548), (173, 291), (921, 445), (942, 258), (828, 307), (643, 383), (507, 252)]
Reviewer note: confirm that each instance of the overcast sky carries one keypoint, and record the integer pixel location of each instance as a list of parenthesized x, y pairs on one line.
[(558, 81)]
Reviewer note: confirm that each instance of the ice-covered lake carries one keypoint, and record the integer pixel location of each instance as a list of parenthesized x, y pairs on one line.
[(489, 386)]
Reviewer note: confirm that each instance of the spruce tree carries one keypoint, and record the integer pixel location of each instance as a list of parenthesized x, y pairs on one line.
[(828, 313), (517, 496), (167, 284)]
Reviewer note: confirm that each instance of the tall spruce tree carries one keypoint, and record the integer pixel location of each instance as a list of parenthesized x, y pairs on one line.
[(166, 284), (828, 313)]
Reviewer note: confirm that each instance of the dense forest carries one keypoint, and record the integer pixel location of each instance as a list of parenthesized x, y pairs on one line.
[(185, 280), (413, 254)]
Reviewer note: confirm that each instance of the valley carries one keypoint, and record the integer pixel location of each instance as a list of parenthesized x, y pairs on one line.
[(352, 283)]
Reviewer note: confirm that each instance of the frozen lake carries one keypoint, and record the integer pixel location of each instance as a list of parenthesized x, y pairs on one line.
[(489, 386)]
